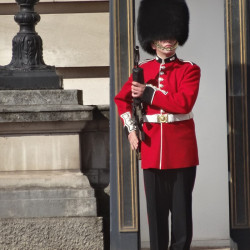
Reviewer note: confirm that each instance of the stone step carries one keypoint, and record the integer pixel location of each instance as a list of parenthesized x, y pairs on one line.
[(28, 194)]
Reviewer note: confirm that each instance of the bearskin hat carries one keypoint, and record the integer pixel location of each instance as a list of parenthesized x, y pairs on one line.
[(162, 20)]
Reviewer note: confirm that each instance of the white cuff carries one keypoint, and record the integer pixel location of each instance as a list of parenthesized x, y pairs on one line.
[(128, 122)]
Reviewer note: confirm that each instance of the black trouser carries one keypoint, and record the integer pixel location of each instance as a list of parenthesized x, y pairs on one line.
[(170, 190)]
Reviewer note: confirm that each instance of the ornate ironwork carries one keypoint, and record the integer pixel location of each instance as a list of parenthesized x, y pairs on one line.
[(27, 48), (27, 69)]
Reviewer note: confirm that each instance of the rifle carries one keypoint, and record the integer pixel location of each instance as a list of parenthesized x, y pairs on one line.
[(137, 104)]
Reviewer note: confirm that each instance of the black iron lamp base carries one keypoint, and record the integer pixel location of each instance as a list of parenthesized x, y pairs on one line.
[(35, 79)]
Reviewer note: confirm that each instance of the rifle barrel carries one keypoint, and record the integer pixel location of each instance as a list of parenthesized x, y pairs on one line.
[(137, 56)]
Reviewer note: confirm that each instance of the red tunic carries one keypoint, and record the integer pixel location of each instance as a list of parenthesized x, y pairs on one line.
[(172, 87)]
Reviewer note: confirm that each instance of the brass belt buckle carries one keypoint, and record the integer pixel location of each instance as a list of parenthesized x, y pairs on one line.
[(162, 118)]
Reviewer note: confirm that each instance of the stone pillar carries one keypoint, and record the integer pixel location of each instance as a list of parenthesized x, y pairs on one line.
[(47, 194)]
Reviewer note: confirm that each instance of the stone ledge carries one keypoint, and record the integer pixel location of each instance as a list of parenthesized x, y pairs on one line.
[(44, 108), (16, 128), (42, 111), (40, 97), (51, 233), (43, 179), (47, 207), (38, 114)]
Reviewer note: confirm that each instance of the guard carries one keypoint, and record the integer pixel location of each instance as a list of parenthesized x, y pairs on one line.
[(169, 154)]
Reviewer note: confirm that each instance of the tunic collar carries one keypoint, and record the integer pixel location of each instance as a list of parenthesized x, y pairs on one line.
[(166, 60)]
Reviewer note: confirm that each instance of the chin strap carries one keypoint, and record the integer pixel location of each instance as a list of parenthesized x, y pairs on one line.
[(157, 44)]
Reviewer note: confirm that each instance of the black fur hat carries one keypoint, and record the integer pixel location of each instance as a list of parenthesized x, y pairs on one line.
[(161, 20)]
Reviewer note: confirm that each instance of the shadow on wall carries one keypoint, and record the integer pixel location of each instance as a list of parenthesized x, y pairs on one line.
[(95, 163), (238, 115), (241, 238)]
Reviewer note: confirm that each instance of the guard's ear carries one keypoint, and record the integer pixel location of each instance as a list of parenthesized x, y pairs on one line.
[(153, 46)]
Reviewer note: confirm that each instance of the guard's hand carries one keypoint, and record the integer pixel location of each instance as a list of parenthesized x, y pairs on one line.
[(137, 89), (133, 140)]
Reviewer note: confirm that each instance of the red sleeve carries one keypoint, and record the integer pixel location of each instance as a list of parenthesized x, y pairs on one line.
[(124, 102), (123, 99), (181, 101)]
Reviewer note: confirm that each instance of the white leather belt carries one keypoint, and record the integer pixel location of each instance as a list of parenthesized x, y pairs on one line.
[(167, 118)]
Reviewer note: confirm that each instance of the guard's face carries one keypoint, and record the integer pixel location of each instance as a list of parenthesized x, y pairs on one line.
[(165, 48)]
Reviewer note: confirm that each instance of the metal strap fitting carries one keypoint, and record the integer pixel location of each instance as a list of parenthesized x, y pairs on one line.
[(162, 118)]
